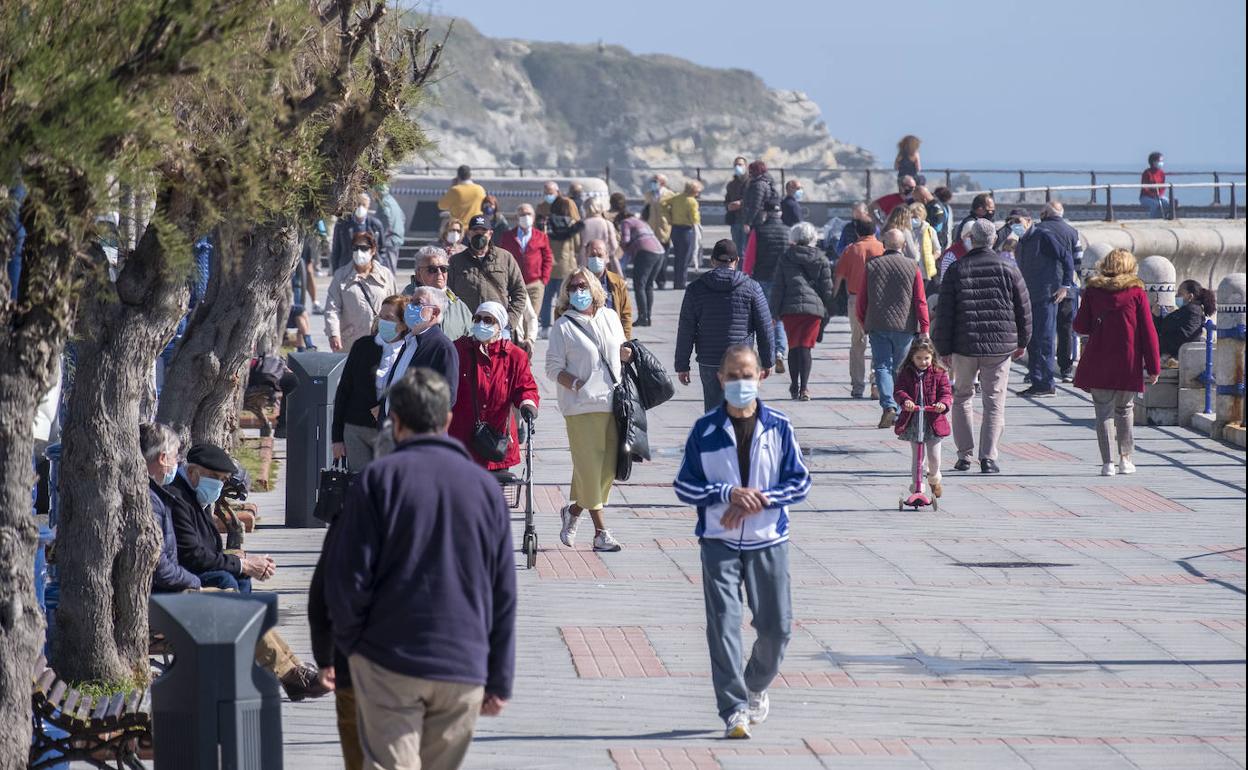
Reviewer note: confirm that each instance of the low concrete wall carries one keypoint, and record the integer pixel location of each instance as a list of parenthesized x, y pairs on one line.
[(1207, 250)]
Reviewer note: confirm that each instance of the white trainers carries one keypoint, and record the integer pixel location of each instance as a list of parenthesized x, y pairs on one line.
[(317, 309), (738, 725), (567, 535), (605, 541), (544, 333), (1109, 469), (760, 706), (1125, 466)]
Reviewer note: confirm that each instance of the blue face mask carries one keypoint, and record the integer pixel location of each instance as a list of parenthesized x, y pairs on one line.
[(740, 393), (1018, 229), (738, 170), (208, 491), (550, 197), (1179, 302), (483, 332), (169, 477), (798, 194), (914, 223), (414, 315), (581, 299), (388, 330)]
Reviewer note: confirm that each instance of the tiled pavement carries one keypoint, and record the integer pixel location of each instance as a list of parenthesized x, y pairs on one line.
[(1043, 618)]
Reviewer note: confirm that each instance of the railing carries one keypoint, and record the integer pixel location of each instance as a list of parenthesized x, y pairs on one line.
[(1170, 187)]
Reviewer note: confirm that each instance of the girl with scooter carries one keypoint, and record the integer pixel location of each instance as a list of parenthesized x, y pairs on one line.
[(922, 388)]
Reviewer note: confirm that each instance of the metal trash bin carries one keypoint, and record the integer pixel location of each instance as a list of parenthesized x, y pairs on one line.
[(309, 446), (214, 707)]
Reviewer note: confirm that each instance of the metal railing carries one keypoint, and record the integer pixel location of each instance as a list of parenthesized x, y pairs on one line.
[(1170, 187)]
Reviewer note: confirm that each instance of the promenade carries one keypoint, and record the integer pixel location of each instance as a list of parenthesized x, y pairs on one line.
[(1043, 618)]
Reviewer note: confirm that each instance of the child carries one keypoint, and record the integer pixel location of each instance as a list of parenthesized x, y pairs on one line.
[(920, 374)]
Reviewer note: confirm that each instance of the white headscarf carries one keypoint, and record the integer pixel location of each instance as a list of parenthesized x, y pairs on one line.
[(495, 310)]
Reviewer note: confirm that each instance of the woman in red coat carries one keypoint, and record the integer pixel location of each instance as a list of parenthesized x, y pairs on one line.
[(494, 377), (1122, 344)]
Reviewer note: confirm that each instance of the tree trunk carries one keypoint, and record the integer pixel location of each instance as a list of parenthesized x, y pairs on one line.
[(250, 266), (108, 541)]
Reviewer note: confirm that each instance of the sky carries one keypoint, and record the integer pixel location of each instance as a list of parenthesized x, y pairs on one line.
[(1094, 83)]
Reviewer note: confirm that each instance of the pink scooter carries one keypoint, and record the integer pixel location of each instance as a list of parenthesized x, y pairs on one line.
[(922, 498)]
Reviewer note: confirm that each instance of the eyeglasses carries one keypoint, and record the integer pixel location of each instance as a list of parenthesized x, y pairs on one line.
[(484, 319), (437, 269), (577, 286)]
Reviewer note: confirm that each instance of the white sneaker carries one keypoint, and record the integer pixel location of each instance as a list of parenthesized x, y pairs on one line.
[(738, 725), (1109, 469), (317, 309), (544, 333), (605, 541), (760, 706), (1126, 467), (567, 535)]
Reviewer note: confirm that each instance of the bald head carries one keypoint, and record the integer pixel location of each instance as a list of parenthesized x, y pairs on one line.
[(550, 188), (1053, 209), (596, 248), (894, 240), (906, 185)]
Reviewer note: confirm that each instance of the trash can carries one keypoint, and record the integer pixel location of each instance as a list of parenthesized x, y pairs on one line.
[(309, 446), (214, 707)]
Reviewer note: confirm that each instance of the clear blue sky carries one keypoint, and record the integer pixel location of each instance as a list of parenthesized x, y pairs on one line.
[(1093, 81)]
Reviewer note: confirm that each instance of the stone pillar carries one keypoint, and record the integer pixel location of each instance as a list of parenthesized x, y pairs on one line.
[(1159, 405), (1094, 253), (1228, 365), (1158, 276)]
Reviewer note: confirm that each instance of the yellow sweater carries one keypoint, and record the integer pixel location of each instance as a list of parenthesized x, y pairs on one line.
[(463, 201), (682, 210)]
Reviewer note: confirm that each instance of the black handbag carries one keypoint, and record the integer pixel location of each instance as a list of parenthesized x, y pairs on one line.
[(489, 444), (654, 387), (331, 491)]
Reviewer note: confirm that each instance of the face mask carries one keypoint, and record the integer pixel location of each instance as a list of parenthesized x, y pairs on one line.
[(208, 491), (361, 212), (487, 211), (550, 197), (1178, 302), (362, 257), (914, 223), (414, 315), (169, 477), (798, 194), (525, 221), (654, 187), (991, 216), (482, 331), (740, 393), (966, 243), (581, 299), (389, 330), (1160, 163), (478, 241), (596, 265), (1018, 229), (738, 170), (453, 237)]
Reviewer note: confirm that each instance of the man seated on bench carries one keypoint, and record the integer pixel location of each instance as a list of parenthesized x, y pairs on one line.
[(170, 500)]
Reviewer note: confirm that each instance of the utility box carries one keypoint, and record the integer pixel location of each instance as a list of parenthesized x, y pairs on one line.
[(214, 707), (309, 446)]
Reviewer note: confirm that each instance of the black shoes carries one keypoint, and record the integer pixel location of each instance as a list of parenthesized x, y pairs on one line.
[(962, 464), (1035, 392), (988, 466)]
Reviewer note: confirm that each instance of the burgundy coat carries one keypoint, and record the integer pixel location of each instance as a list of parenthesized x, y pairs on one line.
[(936, 390), (505, 381), (1122, 341)]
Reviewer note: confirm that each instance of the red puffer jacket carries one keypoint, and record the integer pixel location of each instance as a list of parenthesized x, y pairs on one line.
[(936, 390), (1122, 341), (503, 380)]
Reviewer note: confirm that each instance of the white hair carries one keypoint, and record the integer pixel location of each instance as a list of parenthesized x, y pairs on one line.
[(593, 206), (433, 296), (156, 439), (1053, 209), (803, 234), (894, 239), (981, 232), (426, 253)]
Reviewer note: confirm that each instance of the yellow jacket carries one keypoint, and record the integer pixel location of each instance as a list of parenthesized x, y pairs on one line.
[(682, 210), (930, 249), (463, 201)]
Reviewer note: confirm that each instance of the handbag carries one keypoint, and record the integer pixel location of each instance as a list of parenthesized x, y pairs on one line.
[(331, 491), (489, 444), (621, 412)]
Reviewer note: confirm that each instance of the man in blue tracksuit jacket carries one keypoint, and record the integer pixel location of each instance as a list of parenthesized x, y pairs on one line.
[(742, 468), (1047, 262)]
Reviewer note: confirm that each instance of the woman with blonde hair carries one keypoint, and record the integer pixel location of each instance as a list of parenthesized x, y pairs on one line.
[(451, 235), (686, 218), (900, 220), (1121, 346), (585, 358), (926, 238), (908, 162)]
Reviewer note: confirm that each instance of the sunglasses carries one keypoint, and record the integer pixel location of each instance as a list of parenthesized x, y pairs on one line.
[(484, 319), (907, 190), (437, 268), (577, 286)]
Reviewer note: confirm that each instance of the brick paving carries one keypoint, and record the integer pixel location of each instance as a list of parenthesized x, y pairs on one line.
[(1043, 618)]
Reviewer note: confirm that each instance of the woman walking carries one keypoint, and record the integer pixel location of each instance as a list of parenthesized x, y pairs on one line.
[(584, 357), (363, 379), (1122, 344), (1195, 304), (355, 295), (643, 249), (686, 218), (801, 295)]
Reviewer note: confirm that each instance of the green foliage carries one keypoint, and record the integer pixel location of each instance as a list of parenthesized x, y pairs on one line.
[(97, 689)]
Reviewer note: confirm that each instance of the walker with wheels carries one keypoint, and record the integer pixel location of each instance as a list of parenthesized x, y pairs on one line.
[(518, 488)]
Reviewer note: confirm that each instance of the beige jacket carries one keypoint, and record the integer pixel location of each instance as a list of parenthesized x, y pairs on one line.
[(354, 302)]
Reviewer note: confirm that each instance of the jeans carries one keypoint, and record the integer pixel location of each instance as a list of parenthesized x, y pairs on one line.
[(1065, 334), (994, 375), (764, 573), (888, 350), (1155, 208), (1040, 349), (712, 390), (219, 578), (548, 300), (781, 339), (646, 267), (684, 239), (1114, 414), (739, 236)]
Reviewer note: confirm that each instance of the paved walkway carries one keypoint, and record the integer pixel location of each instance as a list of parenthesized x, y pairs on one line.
[(1044, 618)]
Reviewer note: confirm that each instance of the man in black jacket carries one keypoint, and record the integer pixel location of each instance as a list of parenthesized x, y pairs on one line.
[(771, 239), (983, 320), (420, 583)]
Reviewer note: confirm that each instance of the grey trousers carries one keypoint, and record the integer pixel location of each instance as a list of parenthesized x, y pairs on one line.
[(857, 349), (994, 375), (712, 391), (359, 440), (764, 573), (1115, 409)]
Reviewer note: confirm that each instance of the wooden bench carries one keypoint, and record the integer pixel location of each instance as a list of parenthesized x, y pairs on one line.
[(111, 731)]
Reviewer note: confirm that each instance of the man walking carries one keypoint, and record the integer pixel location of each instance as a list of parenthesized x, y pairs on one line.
[(531, 248), (347, 227), (733, 195), (849, 270), (433, 267), (742, 468), (463, 200), (891, 307), (722, 308), (485, 272), (1047, 263), (420, 584), (1053, 221), (983, 320)]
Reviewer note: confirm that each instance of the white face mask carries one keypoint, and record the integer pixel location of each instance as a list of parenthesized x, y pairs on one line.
[(525, 220), (966, 243), (362, 257), (361, 212), (453, 237)]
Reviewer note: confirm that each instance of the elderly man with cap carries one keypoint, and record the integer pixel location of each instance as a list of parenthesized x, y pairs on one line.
[(722, 308), (597, 260), (433, 268), (483, 272)]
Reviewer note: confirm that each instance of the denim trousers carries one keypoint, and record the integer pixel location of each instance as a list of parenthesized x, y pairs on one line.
[(1041, 348), (219, 578), (1155, 208), (548, 301), (764, 574), (781, 339), (646, 267), (684, 241), (888, 350)]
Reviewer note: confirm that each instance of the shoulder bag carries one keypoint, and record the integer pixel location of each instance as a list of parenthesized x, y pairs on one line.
[(489, 444), (621, 411)]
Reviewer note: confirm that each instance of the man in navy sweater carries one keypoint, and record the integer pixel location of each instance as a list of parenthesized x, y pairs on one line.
[(420, 584)]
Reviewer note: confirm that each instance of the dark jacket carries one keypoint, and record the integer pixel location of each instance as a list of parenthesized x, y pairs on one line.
[(790, 211), (357, 388), (344, 233), (760, 191), (984, 308), (199, 543), (654, 387), (434, 350), (1122, 343), (494, 276), (735, 191), (771, 238), (1046, 261), (1182, 326), (802, 284), (321, 626), (169, 575), (720, 309), (424, 576)]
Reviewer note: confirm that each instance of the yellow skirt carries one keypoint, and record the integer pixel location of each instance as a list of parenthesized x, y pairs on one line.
[(594, 442)]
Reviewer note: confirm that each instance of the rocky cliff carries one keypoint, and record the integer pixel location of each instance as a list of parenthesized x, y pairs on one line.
[(579, 108)]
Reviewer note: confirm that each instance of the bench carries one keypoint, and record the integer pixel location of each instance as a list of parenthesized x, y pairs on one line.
[(110, 731)]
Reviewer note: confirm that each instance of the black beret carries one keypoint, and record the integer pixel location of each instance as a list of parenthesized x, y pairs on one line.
[(212, 457)]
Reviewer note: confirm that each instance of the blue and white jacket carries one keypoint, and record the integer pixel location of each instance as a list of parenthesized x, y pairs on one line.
[(710, 471)]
